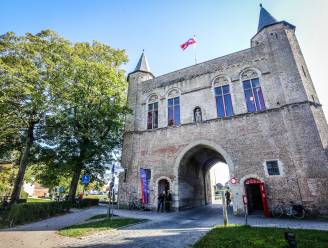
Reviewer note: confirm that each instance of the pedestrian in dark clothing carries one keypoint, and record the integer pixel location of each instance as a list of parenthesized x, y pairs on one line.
[(161, 199), (168, 199), (228, 199)]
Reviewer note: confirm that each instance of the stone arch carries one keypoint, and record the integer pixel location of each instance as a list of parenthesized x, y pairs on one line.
[(156, 187), (250, 73), (152, 98), (244, 178), (173, 92), (209, 144), (181, 154), (220, 80)]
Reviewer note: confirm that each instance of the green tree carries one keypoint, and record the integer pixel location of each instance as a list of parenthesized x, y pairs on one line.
[(86, 127), (30, 67), (7, 175)]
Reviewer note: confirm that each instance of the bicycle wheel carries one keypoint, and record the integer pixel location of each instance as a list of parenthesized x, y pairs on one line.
[(299, 214), (277, 211)]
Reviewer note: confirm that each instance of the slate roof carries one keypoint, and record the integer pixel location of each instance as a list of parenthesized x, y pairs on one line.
[(265, 19), (142, 64)]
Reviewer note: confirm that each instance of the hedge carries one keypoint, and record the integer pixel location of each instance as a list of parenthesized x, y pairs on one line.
[(28, 212), (21, 213), (86, 202)]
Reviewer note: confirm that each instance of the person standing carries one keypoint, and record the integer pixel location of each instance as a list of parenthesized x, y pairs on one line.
[(228, 197), (161, 199), (168, 199)]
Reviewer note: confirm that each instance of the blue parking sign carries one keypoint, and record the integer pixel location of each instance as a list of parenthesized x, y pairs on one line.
[(85, 179)]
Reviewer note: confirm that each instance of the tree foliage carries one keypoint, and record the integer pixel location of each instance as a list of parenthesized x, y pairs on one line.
[(87, 123), (62, 105), (29, 70)]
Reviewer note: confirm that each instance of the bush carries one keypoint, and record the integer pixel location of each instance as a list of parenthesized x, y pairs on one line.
[(21, 201), (23, 194), (28, 212), (85, 203)]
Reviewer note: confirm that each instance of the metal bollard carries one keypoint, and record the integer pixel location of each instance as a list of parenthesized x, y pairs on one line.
[(291, 239)]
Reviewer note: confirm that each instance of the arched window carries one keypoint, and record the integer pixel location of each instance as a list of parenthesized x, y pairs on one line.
[(253, 92), (223, 97), (173, 108), (152, 115)]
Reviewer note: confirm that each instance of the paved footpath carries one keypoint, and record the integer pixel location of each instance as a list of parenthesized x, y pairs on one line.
[(42, 234), (176, 229)]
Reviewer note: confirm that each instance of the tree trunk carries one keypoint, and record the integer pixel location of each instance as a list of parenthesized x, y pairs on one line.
[(75, 181), (23, 164)]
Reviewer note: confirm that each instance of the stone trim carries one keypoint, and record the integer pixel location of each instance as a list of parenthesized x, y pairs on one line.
[(311, 103), (197, 89)]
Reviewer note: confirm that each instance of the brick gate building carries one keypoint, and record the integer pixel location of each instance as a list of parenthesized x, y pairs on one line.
[(255, 110)]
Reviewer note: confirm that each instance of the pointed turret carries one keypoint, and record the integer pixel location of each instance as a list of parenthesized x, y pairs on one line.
[(136, 78), (266, 19), (142, 64)]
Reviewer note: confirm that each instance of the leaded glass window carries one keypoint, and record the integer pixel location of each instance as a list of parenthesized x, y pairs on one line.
[(174, 111), (223, 101)]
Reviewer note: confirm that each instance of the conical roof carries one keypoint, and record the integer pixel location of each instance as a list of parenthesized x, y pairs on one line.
[(266, 19), (142, 64)]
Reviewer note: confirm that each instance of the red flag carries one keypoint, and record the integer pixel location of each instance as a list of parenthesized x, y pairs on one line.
[(188, 43)]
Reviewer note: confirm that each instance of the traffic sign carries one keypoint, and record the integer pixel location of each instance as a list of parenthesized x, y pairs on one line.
[(85, 179), (61, 189), (233, 180)]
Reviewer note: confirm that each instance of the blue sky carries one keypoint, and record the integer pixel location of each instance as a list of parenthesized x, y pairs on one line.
[(159, 27)]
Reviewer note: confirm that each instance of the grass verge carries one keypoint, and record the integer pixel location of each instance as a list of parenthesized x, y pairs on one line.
[(32, 200), (97, 226), (235, 236)]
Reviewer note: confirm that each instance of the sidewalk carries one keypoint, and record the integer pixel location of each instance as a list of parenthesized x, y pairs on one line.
[(43, 233), (179, 229)]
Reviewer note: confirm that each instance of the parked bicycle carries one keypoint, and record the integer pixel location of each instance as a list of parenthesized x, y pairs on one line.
[(295, 210)]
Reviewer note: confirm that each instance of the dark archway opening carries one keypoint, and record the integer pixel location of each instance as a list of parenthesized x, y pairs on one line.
[(195, 188), (163, 186), (254, 198)]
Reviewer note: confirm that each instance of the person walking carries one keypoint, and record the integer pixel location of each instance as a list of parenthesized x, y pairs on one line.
[(168, 199), (161, 199), (228, 197)]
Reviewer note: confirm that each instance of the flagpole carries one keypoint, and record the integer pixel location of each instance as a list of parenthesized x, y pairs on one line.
[(194, 48)]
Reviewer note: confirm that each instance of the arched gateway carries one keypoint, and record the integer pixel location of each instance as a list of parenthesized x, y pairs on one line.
[(192, 167), (262, 119)]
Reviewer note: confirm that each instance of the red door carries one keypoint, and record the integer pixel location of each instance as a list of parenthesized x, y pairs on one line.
[(261, 188), (264, 200)]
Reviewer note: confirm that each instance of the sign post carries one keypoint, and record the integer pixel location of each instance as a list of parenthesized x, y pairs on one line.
[(85, 180), (245, 208), (224, 206), (110, 195)]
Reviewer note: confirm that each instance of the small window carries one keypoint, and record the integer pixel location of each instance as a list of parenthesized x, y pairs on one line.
[(253, 95), (174, 111), (223, 101), (152, 119), (273, 168)]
